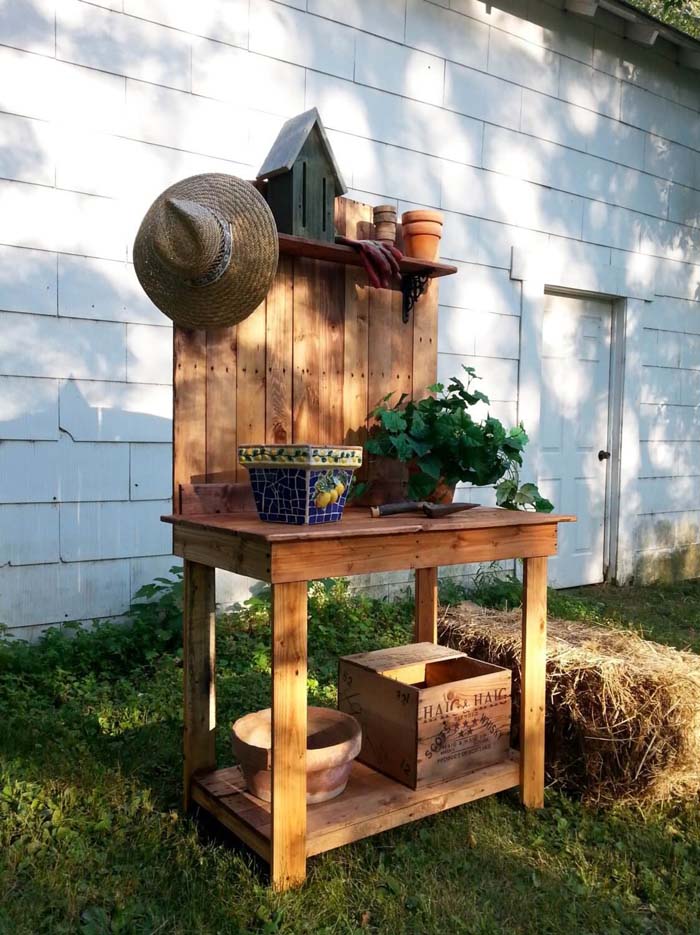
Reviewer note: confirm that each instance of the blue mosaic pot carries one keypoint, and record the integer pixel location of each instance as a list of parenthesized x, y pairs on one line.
[(300, 483)]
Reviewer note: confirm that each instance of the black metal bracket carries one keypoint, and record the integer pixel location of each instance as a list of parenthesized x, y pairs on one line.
[(413, 285)]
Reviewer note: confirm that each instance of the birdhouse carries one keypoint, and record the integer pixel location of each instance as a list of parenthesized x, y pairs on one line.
[(303, 178)]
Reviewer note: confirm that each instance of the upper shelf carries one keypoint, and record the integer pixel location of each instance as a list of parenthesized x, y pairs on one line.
[(338, 253)]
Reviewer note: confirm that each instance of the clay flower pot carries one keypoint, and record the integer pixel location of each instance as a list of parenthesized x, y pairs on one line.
[(422, 231), (384, 217), (333, 740)]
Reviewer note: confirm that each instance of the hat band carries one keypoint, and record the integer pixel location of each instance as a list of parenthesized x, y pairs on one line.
[(223, 257)]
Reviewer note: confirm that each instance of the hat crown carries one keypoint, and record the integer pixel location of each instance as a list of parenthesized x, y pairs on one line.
[(188, 237)]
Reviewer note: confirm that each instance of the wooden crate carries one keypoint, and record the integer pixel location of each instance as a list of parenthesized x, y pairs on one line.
[(428, 713)]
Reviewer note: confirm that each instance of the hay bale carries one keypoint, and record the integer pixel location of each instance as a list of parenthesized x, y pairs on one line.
[(623, 713)]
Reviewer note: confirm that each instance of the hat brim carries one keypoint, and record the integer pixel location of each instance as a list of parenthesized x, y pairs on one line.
[(254, 255)]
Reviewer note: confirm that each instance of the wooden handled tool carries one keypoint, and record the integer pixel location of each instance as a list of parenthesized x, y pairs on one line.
[(432, 510)]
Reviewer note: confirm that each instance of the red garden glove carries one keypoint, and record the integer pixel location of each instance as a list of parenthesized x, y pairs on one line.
[(380, 260)]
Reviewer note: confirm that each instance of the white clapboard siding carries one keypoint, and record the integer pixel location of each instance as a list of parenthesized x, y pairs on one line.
[(29, 533), (43, 346), (531, 129), (27, 281), (103, 289), (28, 408), (225, 20), (56, 593), (144, 569), (151, 471), (149, 354), (116, 412), (669, 459), (499, 377), (113, 530)]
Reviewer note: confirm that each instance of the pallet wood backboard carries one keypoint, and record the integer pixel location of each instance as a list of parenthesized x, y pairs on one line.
[(307, 366)]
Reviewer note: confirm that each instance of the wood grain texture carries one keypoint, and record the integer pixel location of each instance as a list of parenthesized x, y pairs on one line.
[(306, 363), (289, 609), (189, 408), (303, 247), (250, 409), (215, 498), (321, 558), (213, 791), (199, 672), (222, 462), (425, 629), (359, 522), (425, 321), (331, 327), (533, 682), (244, 555), (371, 803), (280, 337)]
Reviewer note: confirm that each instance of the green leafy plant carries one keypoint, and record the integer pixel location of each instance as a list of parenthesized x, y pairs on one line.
[(442, 442)]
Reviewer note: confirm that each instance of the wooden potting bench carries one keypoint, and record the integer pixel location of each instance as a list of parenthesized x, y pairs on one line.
[(308, 365)]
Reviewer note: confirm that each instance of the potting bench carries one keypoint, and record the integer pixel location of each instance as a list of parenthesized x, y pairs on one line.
[(307, 366)]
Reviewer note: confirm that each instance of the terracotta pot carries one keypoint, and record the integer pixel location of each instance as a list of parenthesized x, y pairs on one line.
[(387, 481), (385, 223), (333, 740), (422, 214), (422, 231), (443, 493)]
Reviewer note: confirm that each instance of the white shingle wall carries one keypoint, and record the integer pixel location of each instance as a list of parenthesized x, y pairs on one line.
[(526, 125), (669, 529)]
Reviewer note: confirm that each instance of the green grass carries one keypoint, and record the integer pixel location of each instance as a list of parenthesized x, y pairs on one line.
[(92, 840)]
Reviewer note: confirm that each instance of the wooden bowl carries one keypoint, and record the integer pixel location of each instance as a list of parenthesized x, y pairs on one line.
[(333, 740)]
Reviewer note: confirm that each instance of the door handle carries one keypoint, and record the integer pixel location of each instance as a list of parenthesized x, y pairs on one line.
[(603, 455)]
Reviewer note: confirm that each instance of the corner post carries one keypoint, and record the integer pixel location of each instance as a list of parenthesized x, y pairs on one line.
[(199, 672), (533, 676), (425, 626), (289, 654)]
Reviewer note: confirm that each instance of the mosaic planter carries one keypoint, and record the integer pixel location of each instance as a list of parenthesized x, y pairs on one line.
[(300, 484)]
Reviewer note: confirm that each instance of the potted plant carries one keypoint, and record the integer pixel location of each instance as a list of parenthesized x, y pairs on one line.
[(442, 445)]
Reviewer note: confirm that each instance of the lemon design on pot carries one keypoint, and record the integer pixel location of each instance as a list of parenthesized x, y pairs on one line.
[(330, 486)]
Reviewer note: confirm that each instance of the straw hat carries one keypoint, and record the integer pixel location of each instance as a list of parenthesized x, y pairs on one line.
[(206, 251)]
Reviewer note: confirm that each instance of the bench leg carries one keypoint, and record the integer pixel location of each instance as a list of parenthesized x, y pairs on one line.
[(533, 682), (199, 672), (289, 610), (425, 630)]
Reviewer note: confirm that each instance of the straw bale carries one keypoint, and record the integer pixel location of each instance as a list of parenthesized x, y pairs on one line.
[(623, 713)]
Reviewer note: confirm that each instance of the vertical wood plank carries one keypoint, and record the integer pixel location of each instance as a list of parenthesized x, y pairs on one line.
[(356, 338), (425, 630), (189, 409), (425, 323), (222, 460), (199, 672), (533, 682), (306, 400), (280, 336), (289, 609), (250, 382), (380, 340), (402, 338), (330, 315)]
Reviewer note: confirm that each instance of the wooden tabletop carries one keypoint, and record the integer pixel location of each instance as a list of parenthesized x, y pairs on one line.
[(359, 522)]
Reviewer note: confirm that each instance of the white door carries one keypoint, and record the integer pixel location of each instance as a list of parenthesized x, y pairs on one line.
[(574, 429)]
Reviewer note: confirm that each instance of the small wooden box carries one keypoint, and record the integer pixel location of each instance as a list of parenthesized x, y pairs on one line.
[(428, 713)]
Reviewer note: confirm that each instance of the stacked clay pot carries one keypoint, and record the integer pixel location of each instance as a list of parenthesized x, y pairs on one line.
[(385, 223), (422, 231)]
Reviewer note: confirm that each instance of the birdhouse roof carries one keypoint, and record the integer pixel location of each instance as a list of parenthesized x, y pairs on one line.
[(289, 142)]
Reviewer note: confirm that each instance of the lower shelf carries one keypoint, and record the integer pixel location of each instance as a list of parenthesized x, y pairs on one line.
[(370, 804)]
